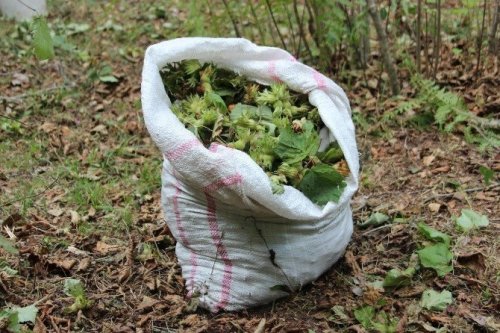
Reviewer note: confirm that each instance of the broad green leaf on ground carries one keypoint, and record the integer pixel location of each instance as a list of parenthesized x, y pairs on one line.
[(384, 324), (295, 147), (396, 278), (73, 287), (13, 317), (379, 322), (322, 183), (433, 234), (27, 313), (339, 314), (435, 301), (42, 42), (7, 245), (471, 220), (437, 257), (375, 219), (487, 174), (365, 315), (4, 267)]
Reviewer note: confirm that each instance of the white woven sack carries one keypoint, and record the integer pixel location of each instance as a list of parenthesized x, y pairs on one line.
[(236, 240)]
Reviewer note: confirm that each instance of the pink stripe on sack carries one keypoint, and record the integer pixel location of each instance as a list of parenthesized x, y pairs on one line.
[(226, 181), (213, 147), (320, 81), (217, 236), (182, 149), (193, 260), (271, 68)]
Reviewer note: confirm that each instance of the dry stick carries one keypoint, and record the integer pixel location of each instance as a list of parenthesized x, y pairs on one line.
[(480, 39), (8, 203), (312, 29), (276, 25), (492, 47), (300, 22), (437, 45), (257, 23), (235, 25), (384, 48), (419, 27)]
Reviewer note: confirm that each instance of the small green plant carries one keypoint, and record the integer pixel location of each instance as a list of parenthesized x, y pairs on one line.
[(75, 289)]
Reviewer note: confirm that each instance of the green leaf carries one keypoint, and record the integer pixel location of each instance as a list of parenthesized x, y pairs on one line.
[(73, 287), (384, 324), (433, 234), (365, 315), (42, 42), (396, 278), (7, 245), (471, 220), (108, 79), (322, 184), (295, 147), (437, 257), (375, 219), (339, 314), (435, 301), (216, 100), (487, 174), (27, 313), (253, 112)]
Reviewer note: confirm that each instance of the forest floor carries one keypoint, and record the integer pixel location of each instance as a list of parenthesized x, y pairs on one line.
[(80, 199)]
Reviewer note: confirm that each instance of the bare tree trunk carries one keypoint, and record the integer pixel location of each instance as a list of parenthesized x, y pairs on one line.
[(384, 48), (419, 28), (492, 38), (437, 41)]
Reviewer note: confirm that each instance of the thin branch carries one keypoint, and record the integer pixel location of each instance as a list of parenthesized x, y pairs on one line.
[(300, 22), (290, 26), (257, 23), (419, 28), (51, 185), (27, 6), (437, 44), (235, 25), (384, 48), (480, 39), (276, 25)]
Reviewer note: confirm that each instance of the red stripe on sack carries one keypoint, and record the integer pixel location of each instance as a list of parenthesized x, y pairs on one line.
[(217, 237), (193, 260), (182, 149), (271, 68), (320, 81)]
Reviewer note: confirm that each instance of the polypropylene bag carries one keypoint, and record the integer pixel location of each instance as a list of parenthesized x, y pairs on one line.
[(238, 244)]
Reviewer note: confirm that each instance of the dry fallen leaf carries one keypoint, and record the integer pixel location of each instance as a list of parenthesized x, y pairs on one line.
[(147, 302), (427, 160), (434, 207)]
